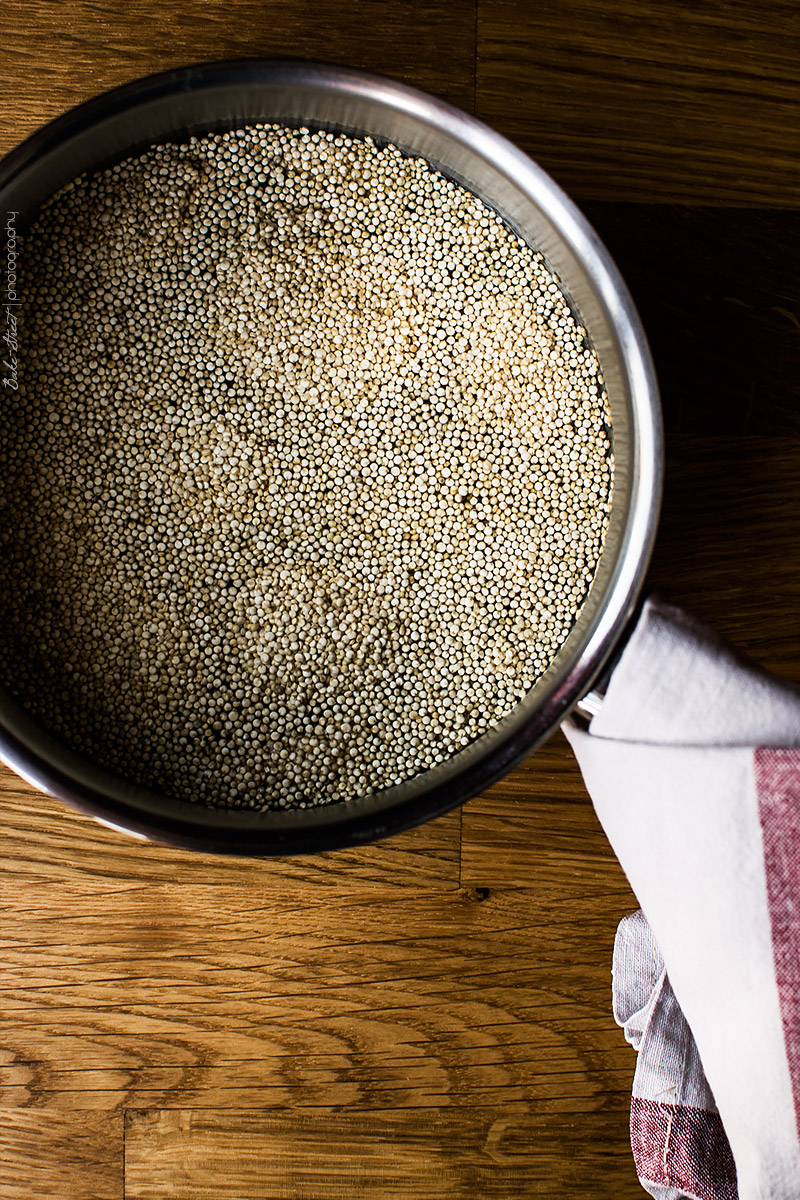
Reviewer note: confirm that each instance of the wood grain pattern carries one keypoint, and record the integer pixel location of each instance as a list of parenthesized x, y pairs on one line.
[(718, 292), (179, 996), (694, 103), (44, 840), (357, 1006), (55, 56), (727, 545), (536, 829), (191, 1155), (58, 1155)]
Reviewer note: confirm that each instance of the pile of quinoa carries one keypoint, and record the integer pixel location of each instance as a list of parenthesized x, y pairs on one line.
[(307, 475)]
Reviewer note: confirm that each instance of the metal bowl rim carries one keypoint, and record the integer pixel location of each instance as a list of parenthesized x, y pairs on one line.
[(345, 824)]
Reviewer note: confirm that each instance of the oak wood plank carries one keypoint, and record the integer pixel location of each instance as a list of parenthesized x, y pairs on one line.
[(55, 56), (178, 996), (536, 829), (274, 1155), (60, 1154), (718, 292), (685, 102), (727, 546), (43, 839)]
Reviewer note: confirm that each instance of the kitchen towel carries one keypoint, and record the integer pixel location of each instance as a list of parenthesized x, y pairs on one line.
[(693, 766)]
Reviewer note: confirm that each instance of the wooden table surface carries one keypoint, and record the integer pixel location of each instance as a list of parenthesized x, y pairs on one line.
[(428, 1017)]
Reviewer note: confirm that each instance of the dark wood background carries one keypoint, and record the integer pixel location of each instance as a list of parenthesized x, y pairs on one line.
[(429, 1017)]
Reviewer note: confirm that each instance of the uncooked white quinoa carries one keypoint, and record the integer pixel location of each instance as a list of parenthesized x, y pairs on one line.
[(308, 472)]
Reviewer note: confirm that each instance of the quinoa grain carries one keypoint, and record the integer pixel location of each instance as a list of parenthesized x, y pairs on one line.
[(308, 473)]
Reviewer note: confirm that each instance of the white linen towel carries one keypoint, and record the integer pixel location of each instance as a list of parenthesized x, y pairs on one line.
[(693, 765)]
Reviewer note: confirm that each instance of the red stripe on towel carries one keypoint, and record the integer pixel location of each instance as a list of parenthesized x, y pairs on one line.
[(682, 1148), (777, 774)]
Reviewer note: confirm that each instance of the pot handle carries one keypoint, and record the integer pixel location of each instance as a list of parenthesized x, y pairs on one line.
[(590, 704)]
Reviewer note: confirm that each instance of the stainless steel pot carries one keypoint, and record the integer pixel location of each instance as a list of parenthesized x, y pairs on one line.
[(225, 95)]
